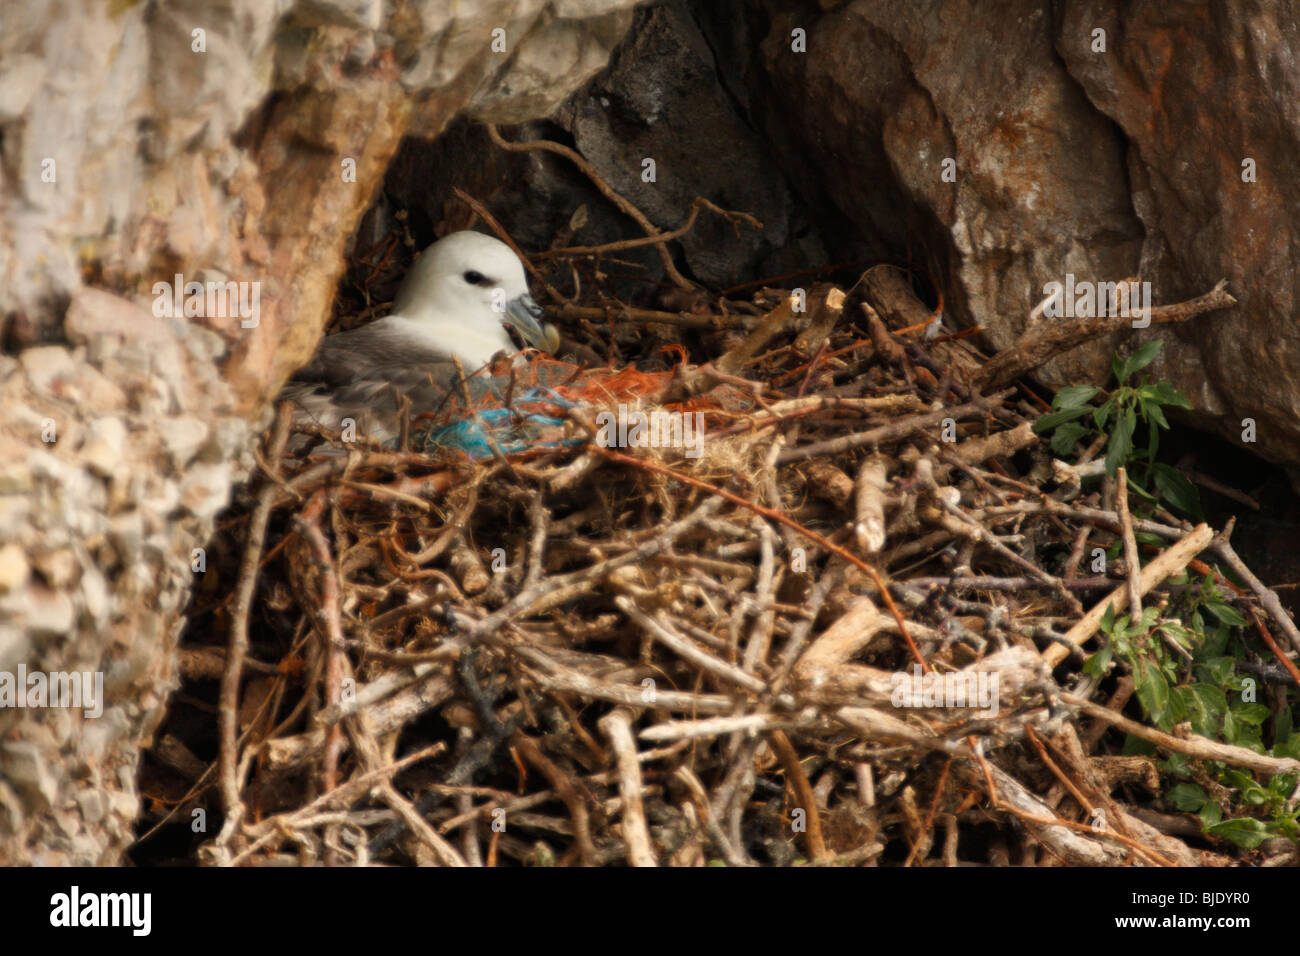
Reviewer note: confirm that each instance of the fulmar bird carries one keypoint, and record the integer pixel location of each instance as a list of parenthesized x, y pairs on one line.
[(457, 300)]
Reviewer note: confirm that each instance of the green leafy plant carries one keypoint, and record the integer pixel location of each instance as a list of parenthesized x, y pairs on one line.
[(1184, 664), (1076, 417), (1183, 656)]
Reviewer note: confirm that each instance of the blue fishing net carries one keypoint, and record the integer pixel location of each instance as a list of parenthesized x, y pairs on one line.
[(528, 423)]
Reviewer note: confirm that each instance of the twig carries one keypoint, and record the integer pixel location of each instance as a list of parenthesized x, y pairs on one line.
[(1168, 563), (228, 721), (426, 834), (929, 817), (1267, 597), (617, 726), (803, 791), (651, 230), (330, 627), (1193, 745), (895, 429), (1130, 546), (568, 793), (687, 650), (627, 313), (1042, 340), (651, 240)]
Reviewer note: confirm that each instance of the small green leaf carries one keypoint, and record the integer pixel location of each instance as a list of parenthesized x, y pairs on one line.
[(1152, 410), (1177, 712), (1140, 492), (1245, 832), (1095, 666), (1238, 780), (1289, 746), (1174, 487), (1166, 394), (1282, 785), (1230, 729), (1075, 396), (1152, 691), (1187, 797), (1205, 706), (1119, 446), (1102, 415), (1218, 670), (1067, 436), (1226, 613), (1056, 419), (1140, 359), (1137, 747), (1177, 633), (1253, 714), (1282, 725)]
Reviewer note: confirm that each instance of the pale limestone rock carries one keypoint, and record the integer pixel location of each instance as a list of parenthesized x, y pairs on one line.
[(149, 180), (13, 568)]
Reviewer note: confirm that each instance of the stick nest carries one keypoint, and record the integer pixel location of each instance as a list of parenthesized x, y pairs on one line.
[(586, 655)]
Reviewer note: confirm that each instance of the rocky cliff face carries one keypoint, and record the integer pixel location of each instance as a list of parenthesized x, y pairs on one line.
[(1102, 141), (1002, 145), (145, 144)]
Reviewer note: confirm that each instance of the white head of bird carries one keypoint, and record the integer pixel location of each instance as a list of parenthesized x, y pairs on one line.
[(463, 291)]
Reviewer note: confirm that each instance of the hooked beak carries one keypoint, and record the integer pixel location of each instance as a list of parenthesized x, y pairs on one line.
[(525, 316)]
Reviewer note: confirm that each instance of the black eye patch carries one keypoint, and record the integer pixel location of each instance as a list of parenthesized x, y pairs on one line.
[(475, 278)]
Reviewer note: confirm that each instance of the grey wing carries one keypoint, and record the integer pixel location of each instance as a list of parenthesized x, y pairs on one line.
[(360, 374)]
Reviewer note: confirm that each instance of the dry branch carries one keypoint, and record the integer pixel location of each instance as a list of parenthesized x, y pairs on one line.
[(1050, 337)]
